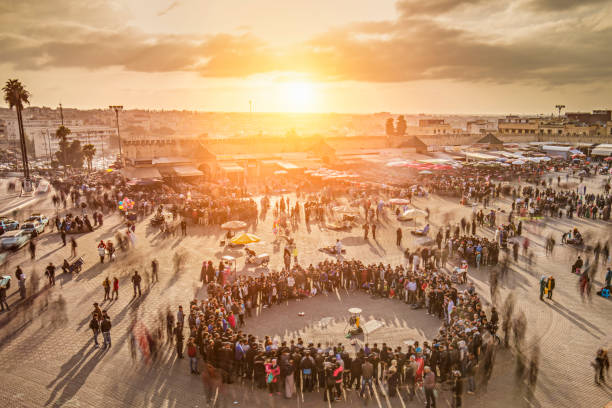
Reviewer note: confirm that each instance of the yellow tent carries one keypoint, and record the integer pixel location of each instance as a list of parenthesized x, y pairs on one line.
[(245, 238)]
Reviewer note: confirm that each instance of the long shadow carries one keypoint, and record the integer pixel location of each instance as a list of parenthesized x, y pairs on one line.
[(578, 317), (579, 322), (74, 380)]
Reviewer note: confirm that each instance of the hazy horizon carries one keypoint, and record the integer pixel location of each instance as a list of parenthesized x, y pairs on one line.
[(442, 57)]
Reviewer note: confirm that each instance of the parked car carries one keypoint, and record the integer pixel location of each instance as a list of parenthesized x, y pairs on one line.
[(31, 226), (14, 239), (8, 224), (40, 218)]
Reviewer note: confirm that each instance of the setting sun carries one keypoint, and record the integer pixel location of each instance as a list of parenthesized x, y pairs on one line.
[(297, 96)]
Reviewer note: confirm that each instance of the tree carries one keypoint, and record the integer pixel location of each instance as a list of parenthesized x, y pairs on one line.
[(389, 127), (61, 134), (400, 127), (89, 151), (70, 154), (16, 95)]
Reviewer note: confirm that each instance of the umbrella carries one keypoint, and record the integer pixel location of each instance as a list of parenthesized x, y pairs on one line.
[(414, 212), (346, 209), (234, 225), (411, 213), (399, 201), (608, 158), (425, 172), (245, 238), (280, 172), (518, 162), (397, 164), (545, 159)]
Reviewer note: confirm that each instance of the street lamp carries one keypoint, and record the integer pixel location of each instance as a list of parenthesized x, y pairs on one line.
[(117, 108)]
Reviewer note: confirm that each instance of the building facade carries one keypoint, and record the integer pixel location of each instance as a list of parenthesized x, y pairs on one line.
[(42, 134)]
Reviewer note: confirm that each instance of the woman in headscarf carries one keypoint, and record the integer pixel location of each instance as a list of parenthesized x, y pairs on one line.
[(272, 373), (288, 370)]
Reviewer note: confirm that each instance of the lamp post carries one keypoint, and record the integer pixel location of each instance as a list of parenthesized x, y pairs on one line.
[(117, 108)]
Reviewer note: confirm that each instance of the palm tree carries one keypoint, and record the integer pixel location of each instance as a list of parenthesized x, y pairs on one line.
[(16, 95), (61, 134), (89, 151)]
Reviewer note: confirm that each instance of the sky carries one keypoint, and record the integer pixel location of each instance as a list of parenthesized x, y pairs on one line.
[(349, 56)]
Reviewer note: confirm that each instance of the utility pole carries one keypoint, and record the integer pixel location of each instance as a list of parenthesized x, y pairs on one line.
[(117, 108), (61, 113), (559, 107), (49, 143)]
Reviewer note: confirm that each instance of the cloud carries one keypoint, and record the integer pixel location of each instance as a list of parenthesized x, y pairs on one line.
[(411, 8), (172, 6), (563, 5), (416, 46)]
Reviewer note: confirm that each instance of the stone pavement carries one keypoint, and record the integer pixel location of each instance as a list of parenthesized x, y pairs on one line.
[(47, 362)]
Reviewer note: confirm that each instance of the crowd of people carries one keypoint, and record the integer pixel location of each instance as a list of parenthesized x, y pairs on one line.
[(215, 331)]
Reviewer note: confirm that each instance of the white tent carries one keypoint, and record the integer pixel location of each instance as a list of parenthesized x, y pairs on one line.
[(602, 150)]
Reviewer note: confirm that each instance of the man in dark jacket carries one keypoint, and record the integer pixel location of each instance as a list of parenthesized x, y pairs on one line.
[(307, 366), (136, 279), (356, 371), (94, 325), (178, 335), (105, 327), (367, 373)]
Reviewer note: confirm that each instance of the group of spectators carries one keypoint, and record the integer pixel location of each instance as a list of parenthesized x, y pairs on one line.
[(214, 329)]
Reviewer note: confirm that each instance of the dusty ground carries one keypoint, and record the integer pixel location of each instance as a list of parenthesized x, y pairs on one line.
[(47, 363)]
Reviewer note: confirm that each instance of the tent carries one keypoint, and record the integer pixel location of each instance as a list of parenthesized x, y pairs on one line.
[(413, 142), (491, 140), (245, 238)]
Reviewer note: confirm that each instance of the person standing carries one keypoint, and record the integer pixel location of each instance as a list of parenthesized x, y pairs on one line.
[(366, 229), (154, 269), (193, 357), (94, 325), (184, 227), (367, 372), (178, 335), (3, 303), (136, 279), (542, 287), (50, 272), (63, 235), (550, 286), (32, 248), (115, 294), (429, 385), (102, 251), (107, 287), (601, 362), (373, 231), (21, 280), (398, 239), (73, 246), (105, 328), (457, 389)]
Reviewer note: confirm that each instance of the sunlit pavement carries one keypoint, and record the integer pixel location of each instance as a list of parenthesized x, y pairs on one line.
[(49, 363)]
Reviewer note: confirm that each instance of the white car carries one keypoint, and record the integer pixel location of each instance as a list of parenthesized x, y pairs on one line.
[(14, 239), (31, 226), (40, 218)]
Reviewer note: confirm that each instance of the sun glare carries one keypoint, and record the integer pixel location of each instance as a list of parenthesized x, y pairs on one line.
[(297, 96)]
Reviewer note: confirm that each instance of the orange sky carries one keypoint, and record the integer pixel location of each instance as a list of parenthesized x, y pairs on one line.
[(405, 56)]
